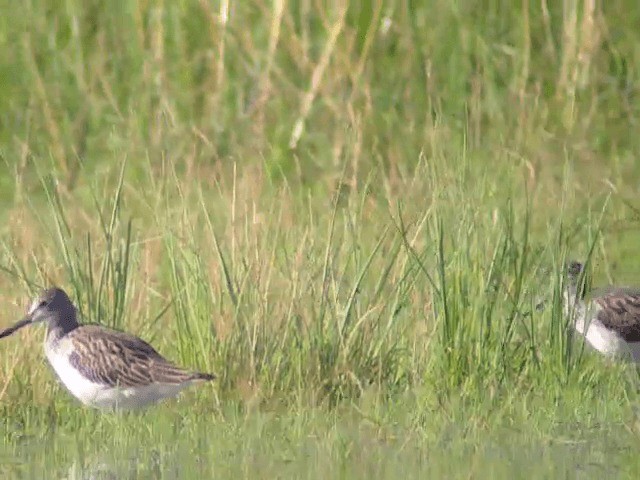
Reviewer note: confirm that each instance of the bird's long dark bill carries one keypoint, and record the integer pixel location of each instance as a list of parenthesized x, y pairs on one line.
[(22, 323)]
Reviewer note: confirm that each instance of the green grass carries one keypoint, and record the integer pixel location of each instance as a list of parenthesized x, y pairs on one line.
[(348, 215)]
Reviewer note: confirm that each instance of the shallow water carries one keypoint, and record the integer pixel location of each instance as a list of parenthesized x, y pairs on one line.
[(165, 445)]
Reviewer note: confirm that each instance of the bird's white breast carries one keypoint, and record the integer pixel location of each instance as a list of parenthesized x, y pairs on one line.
[(603, 339), (81, 387)]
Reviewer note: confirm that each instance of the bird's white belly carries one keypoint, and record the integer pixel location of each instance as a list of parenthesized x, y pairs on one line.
[(604, 340), (88, 392), (105, 396)]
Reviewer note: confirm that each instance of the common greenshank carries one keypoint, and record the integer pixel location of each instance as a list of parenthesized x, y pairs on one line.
[(102, 367), (608, 318)]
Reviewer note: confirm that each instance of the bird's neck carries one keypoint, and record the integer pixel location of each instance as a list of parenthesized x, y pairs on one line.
[(575, 308), (62, 323)]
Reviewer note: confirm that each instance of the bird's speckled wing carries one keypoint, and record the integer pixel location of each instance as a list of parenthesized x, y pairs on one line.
[(620, 311), (116, 358)]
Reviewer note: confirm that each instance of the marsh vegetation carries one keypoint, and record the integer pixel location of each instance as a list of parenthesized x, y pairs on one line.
[(349, 214)]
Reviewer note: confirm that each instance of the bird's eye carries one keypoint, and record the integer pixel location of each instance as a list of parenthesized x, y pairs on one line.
[(43, 303)]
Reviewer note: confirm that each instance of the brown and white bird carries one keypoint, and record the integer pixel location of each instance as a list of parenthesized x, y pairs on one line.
[(102, 367), (608, 318)]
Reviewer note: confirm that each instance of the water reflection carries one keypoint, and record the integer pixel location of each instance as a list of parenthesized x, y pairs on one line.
[(96, 471)]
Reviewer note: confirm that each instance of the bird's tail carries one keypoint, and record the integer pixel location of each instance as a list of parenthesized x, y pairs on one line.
[(207, 377)]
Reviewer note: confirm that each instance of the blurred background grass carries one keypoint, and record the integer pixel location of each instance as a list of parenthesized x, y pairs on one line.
[(321, 95), (302, 90), (329, 202)]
